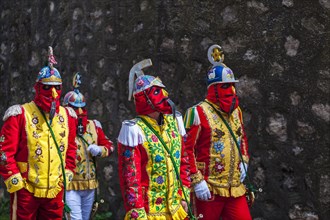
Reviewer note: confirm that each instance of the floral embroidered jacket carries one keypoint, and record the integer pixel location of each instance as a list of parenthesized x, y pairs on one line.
[(85, 171), (147, 178), (28, 155), (213, 154)]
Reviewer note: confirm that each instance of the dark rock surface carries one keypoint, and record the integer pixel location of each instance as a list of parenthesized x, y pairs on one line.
[(279, 50)]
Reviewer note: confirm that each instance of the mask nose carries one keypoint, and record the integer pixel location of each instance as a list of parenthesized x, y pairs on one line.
[(54, 93), (80, 111), (165, 93)]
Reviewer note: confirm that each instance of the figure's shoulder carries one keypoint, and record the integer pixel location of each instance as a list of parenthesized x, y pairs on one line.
[(192, 115), (13, 111), (71, 112), (130, 133), (97, 123)]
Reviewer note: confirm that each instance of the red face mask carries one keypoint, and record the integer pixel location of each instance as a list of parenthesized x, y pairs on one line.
[(46, 94), (153, 99), (223, 95)]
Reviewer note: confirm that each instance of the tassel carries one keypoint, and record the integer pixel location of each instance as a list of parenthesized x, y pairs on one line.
[(67, 208)]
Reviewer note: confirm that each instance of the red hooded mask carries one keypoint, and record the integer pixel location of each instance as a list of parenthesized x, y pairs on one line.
[(46, 95), (224, 96), (153, 99)]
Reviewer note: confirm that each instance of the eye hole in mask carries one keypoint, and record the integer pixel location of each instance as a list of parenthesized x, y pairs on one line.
[(47, 87), (225, 85)]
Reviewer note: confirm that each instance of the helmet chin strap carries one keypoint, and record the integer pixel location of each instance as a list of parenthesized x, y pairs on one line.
[(149, 101), (232, 106), (52, 111), (171, 103)]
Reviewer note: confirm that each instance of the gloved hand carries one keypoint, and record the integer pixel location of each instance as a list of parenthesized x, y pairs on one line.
[(202, 191), (243, 173), (94, 150)]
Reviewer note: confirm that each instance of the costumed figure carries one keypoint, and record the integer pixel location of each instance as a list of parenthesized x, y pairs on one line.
[(153, 165), (91, 143), (38, 149), (218, 157)]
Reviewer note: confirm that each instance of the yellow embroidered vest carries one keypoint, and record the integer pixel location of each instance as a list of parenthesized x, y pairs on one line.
[(44, 164), (84, 173), (164, 200), (223, 170)]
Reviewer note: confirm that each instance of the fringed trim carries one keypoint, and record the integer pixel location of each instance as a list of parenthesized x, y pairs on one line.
[(191, 117), (72, 113), (180, 214), (44, 193), (97, 123), (130, 134), (182, 130), (228, 192), (12, 111), (83, 184)]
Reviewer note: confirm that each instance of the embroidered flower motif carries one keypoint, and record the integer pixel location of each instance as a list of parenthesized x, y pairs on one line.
[(173, 134), (154, 138), (160, 180), (219, 167), (2, 138), (127, 153), (218, 146), (3, 158), (159, 201), (134, 214), (131, 197), (177, 154), (140, 83), (62, 147), (78, 157), (35, 120), (158, 158), (38, 151), (14, 181)]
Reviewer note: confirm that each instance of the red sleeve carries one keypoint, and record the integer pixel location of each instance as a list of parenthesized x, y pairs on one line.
[(244, 142), (71, 152), (104, 142), (184, 167), (129, 162), (191, 139), (9, 143)]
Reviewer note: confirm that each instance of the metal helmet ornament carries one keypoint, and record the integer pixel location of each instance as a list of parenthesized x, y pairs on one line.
[(49, 75), (75, 98), (142, 81), (219, 73)]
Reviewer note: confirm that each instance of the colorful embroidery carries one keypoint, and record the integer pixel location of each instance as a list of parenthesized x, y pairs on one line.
[(218, 133), (3, 158), (14, 181), (2, 138)]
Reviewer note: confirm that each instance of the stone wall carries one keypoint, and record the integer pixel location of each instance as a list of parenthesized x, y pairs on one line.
[(279, 50)]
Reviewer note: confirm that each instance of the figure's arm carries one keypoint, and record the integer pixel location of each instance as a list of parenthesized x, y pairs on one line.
[(103, 142), (70, 159), (9, 141), (129, 163), (193, 127), (244, 142), (184, 165)]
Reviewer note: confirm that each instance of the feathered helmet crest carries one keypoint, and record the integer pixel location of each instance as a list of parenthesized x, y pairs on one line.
[(75, 98), (49, 75)]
